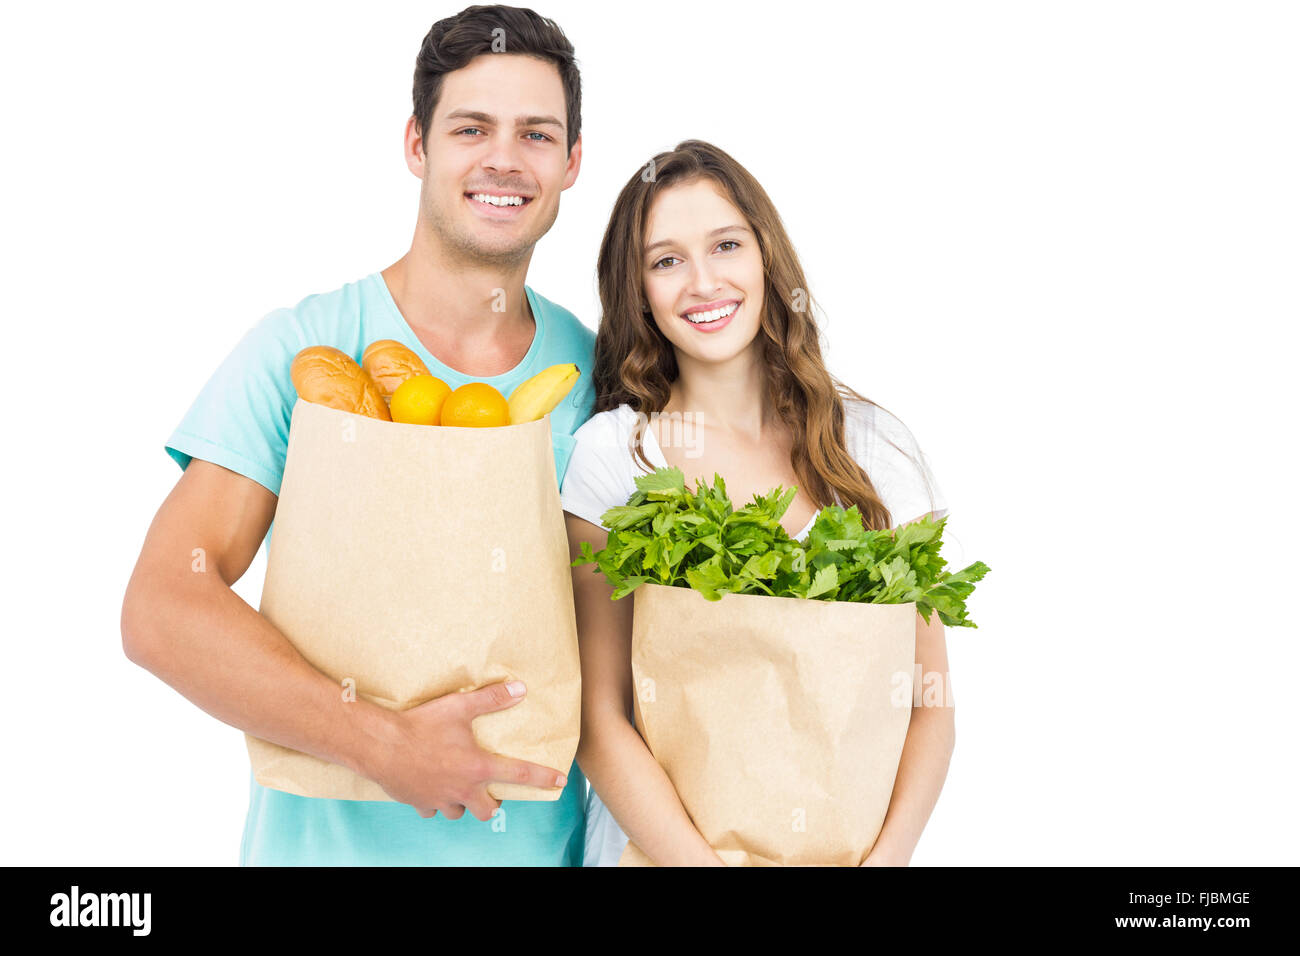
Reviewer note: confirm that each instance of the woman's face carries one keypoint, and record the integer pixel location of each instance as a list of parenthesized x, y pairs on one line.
[(702, 260)]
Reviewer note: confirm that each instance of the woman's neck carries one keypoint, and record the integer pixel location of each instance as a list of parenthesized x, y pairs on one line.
[(728, 397)]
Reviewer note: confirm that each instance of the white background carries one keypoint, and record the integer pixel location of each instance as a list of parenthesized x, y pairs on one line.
[(1058, 239)]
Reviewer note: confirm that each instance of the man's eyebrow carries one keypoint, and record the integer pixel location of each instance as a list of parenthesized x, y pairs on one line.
[(488, 120), (716, 232), (471, 115)]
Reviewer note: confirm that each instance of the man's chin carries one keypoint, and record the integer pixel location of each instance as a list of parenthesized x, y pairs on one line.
[(470, 238), (496, 251), (473, 241)]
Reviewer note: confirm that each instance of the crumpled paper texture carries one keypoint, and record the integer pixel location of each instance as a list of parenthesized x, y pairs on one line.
[(419, 561), (780, 721)]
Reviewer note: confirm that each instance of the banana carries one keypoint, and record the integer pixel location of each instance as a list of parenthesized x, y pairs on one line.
[(541, 393)]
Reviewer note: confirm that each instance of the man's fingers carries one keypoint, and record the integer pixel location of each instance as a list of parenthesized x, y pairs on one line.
[(493, 697), (426, 813), (453, 812), (509, 770), (481, 805)]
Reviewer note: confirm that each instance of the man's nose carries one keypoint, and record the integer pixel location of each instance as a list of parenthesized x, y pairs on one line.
[(503, 157)]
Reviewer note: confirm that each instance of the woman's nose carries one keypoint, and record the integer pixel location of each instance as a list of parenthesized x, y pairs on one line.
[(703, 280)]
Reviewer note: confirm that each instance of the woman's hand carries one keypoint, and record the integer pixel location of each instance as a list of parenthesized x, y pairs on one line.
[(883, 856), (611, 753), (927, 751)]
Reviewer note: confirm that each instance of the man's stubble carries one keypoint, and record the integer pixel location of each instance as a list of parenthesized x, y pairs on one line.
[(468, 248)]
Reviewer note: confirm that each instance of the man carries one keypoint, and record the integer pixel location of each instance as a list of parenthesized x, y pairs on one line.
[(494, 138)]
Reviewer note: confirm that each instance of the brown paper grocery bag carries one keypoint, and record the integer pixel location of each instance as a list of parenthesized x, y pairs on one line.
[(780, 721), (414, 561)]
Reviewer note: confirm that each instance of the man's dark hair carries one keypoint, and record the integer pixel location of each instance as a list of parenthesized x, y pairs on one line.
[(452, 42)]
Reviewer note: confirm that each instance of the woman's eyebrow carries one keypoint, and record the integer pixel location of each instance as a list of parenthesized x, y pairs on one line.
[(716, 232)]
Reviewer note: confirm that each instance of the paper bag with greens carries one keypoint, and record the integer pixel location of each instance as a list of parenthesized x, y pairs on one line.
[(773, 677)]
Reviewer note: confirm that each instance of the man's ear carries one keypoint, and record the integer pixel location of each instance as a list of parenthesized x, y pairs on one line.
[(575, 160), (413, 149)]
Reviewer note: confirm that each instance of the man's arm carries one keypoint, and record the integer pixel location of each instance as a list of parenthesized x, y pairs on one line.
[(182, 622)]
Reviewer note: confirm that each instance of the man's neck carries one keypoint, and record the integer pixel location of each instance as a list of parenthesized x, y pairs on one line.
[(474, 317)]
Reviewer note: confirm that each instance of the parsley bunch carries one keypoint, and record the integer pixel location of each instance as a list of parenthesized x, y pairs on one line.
[(667, 534)]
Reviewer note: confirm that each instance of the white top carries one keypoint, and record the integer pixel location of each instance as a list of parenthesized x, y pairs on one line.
[(602, 473)]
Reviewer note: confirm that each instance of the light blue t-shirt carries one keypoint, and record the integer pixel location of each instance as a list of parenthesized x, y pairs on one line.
[(240, 421)]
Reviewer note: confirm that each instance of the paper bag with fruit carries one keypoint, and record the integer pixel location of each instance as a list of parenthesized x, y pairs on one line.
[(419, 549), (772, 678)]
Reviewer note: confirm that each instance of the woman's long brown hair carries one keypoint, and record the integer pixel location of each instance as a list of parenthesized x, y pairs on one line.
[(635, 363)]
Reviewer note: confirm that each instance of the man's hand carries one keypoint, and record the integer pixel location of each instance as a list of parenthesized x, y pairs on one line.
[(182, 621), (434, 763)]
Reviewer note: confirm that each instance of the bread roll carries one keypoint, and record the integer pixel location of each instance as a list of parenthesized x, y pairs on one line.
[(390, 363), (326, 376)]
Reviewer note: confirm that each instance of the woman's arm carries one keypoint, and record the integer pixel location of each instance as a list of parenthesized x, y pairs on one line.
[(611, 753), (926, 752)]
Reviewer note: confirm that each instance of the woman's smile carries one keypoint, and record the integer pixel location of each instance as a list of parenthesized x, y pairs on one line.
[(711, 316)]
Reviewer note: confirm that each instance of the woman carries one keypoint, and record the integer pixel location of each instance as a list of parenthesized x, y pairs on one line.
[(707, 358)]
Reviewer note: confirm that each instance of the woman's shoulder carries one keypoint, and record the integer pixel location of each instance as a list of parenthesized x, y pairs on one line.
[(599, 475), (608, 428), (893, 459), (856, 413), (870, 426), (603, 443)]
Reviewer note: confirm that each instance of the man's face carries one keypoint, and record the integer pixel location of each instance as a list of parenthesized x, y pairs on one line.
[(494, 157)]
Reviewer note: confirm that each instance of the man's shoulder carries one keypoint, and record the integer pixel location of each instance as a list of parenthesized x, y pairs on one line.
[(567, 325), (322, 310), (316, 319)]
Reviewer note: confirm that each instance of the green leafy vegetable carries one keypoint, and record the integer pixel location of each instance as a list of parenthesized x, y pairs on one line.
[(667, 534)]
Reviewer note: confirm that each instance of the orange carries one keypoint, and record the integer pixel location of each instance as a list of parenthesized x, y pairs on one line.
[(419, 400), (476, 405)]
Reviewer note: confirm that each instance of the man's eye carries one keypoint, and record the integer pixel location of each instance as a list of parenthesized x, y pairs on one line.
[(660, 263), (468, 129), (544, 137)]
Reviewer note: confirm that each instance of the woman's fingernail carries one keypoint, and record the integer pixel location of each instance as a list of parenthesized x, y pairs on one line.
[(560, 779), (516, 688)]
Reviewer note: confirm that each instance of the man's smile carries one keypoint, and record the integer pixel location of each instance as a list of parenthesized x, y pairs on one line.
[(498, 205)]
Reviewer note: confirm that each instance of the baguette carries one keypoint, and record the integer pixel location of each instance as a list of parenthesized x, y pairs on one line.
[(390, 363), (326, 376)]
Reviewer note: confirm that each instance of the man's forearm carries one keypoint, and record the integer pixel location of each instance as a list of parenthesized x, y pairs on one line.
[(922, 769), (208, 644)]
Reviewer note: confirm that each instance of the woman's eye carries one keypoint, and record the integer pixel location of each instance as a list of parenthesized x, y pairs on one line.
[(728, 242), (660, 263)]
